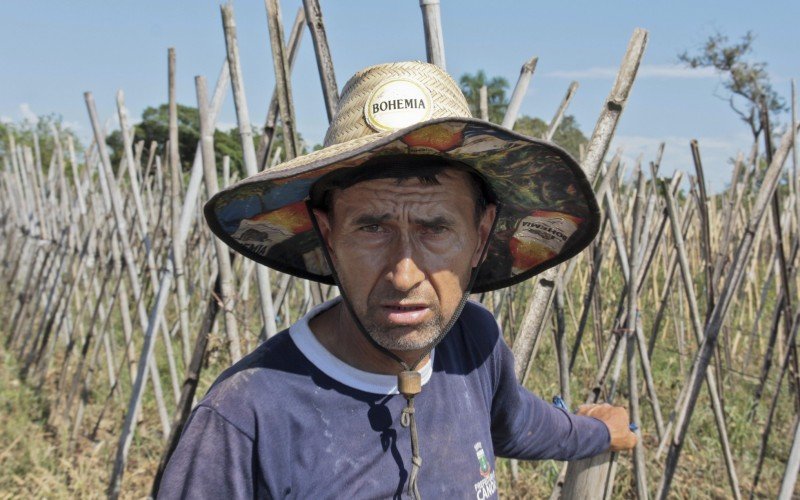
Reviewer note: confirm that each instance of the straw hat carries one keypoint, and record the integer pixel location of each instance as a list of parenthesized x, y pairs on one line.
[(548, 214)]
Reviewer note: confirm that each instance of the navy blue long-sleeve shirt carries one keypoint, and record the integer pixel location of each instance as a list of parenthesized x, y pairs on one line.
[(292, 420)]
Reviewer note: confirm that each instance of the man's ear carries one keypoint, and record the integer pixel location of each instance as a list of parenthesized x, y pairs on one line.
[(324, 223), (484, 228)]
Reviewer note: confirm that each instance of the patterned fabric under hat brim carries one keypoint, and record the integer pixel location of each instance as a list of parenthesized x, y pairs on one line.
[(549, 211)]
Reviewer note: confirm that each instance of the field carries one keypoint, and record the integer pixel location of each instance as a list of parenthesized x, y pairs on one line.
[(120, 311)]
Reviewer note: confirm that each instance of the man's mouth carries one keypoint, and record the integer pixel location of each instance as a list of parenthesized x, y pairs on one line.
[(406, 314)]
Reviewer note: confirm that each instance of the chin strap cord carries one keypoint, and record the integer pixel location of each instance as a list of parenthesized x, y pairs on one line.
[(409, 384), (409, 381)]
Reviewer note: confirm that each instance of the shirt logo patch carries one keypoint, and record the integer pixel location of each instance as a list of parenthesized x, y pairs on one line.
[(397, 104), (487, 486)]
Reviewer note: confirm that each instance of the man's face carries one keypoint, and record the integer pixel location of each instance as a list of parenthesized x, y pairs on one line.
[(404, 252)]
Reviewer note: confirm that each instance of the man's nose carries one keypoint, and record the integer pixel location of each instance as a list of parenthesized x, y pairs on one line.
[(405, 274)]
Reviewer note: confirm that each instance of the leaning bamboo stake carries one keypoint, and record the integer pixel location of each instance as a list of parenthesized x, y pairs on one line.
[(639, 467), (280, 63), (178, 249), (541, 298), (268, 131), (520, 89), (434, 38), (688, 287), (245, 132), (324, 62), (562, 108), (718, 315), (228, 288)]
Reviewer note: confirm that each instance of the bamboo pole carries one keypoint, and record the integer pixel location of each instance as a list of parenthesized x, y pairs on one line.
[(520, 89), (483, 97), (562, 108), (249, 154), (268, 131), (718, 315), (697, 327), (541, 298), (283, 88), (324, 62), (434, 38), (178, 249), (228, 288)]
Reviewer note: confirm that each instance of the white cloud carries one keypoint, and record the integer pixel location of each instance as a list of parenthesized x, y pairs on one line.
[(6, 119), (27, 113), (662, 71)]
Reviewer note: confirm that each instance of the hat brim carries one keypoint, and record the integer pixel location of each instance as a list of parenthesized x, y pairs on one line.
[(549, 212)]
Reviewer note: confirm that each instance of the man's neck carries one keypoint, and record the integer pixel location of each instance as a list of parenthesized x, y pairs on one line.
[(338, 333)]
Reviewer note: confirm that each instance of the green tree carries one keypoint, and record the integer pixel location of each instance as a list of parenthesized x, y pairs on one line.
[(25, 132), (568, 135), (495, 91), (746, 82), (155, 127)]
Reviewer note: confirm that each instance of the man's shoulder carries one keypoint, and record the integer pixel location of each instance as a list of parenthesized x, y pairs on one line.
[(262, 374), (479, 324)]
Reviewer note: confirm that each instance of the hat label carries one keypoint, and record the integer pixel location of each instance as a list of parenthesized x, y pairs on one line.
[(540, 237), (397, 104)]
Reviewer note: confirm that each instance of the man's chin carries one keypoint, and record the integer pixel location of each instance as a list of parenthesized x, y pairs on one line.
[(403, 339)]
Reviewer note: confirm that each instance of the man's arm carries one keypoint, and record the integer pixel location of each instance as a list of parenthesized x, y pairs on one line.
[(213, 459), (525, 427)]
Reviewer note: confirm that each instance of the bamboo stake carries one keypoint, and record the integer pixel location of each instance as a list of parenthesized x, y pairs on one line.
[(178, 249), (633, 312), (686, 275), (265, 143), (720, 310), (243, 119), (562, 108), (484, 102), (520, 89), (541, 298), (434, 38), (228, 288), (324, 62), (283, 88)]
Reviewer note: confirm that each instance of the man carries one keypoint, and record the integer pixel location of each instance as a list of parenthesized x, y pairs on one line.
[(400, 385)]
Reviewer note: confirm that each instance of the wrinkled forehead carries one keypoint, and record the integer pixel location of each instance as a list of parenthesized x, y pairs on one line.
[(450, 191), (401, 170)]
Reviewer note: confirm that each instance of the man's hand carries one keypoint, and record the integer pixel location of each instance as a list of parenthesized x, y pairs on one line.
[(617, 420)]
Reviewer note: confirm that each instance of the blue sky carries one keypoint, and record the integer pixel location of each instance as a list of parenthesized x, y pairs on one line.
[(53, 51)]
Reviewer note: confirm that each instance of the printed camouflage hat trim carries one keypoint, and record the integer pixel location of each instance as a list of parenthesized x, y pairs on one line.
[(549, 211)]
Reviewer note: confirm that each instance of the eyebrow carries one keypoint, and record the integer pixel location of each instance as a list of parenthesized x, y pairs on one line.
[(434, 221), (369, 219)]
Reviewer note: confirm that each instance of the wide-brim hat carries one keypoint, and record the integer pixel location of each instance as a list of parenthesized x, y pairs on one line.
[(549, 212)]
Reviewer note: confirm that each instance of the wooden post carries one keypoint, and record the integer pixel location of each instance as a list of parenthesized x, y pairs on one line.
[(228, 289), (718, 315), (283, 87), (265, 144), (248, 149), (484, 102), (324, 62), (562, 108), (520, 89), (434, 39), (175, 186)]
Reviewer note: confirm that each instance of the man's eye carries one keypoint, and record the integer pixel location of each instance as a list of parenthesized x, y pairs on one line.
[(438, 229), (371, 228)]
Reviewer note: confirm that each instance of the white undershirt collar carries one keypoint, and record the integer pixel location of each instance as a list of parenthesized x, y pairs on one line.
[(374, 383)]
